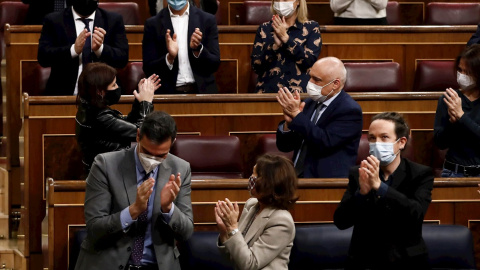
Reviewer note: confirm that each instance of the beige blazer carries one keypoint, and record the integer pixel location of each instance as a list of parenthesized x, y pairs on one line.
[(268, 242)]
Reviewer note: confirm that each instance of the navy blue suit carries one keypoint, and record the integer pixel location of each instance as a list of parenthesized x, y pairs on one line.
[(332, 143), (58, 35), (155, 51), (475, 39)]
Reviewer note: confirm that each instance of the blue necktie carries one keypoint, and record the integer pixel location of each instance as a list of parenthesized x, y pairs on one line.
[(87, 48), (138, 242)]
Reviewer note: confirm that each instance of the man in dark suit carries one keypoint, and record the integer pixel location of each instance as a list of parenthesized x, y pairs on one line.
[(209, 6), (137, 203), (180, 44), (385, 202), (37, 10), (81, 34), (325, 130)]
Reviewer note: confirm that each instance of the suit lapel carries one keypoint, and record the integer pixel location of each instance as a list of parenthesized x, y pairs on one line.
[(399, 175), (163, 175), (129, 175), (192, 22), (98, 21), (166, 21), (330, 108), (69, 23), (258, 224)]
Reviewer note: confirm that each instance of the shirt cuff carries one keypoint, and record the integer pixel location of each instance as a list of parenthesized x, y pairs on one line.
[(382, 190), (280, 128), (168, 63), (168, 216), (200, 52), (126, 219), (98, 52), (73, 52)]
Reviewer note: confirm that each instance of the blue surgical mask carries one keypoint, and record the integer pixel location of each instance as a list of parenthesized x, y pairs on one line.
[(384, 152), (177, 4)]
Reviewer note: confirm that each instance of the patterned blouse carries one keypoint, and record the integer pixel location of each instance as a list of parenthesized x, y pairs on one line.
[(290, 64)]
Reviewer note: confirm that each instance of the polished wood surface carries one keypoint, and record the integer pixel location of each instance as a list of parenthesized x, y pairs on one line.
[(455, 201)]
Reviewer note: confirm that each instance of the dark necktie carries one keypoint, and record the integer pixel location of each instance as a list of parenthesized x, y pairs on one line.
[(138, 242), (87, 48), (302, 153), (59, 5)]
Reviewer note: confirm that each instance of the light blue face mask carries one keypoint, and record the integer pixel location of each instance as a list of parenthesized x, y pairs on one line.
[(177, 4), (383, 151)]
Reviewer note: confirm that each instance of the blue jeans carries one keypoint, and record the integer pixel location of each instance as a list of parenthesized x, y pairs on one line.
[(451, 174)]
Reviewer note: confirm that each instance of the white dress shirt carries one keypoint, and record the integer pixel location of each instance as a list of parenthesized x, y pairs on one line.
[(79, 26), (180, 27)]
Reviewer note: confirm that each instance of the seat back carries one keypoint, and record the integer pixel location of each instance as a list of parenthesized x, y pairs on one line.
[(373, 77), (201, 252), (449, 246), (129, 76), (393, 13), (320, 247), (438, 157), (257, 12), (128, 10), (13, 13), (34, 79), (364, 149), (210, 157), (452, 13), (267, 144), (432, 75)]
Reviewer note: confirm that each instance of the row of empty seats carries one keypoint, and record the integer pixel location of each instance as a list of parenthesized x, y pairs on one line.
[(430, 75)]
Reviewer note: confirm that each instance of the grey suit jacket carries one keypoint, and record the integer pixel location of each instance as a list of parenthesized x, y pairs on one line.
[(111, 187), (268, 242)]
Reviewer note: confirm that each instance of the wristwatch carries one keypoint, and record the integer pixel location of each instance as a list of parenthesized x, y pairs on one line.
[(232, 233)]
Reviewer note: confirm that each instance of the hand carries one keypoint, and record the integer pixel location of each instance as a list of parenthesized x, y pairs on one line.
[(280, 28), (143, 193), (196, 39), (291, 104), (454, 104), (363, 182), (97, 38), (147, 88), (221, 226), (80, 41), (228, 212), (371, 166), (277, 42), (169, 192), (172, 46)]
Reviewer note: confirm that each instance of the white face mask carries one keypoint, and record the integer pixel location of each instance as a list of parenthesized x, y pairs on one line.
[(384, 152), (284, 9), (315, 91), (149, 163), (464, 81)]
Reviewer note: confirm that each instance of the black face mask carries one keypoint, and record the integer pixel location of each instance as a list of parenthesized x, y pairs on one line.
[(113, 96), (85, 7)]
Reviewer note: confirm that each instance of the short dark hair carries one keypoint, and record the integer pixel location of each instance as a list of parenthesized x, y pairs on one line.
[(158, 126), (401, 127), (277, 181), (471, 56), (94, 77)]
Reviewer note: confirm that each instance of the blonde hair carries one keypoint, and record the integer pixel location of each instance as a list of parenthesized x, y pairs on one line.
[(302, 12)]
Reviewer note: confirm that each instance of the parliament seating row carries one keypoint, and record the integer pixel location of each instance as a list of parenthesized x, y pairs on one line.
[(430, 75), (322, 247)]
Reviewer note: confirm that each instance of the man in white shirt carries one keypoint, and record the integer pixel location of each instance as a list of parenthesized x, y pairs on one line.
[(79, 35), (180, 44)]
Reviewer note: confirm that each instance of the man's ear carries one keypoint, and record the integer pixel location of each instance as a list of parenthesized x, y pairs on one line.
[(403, 143)]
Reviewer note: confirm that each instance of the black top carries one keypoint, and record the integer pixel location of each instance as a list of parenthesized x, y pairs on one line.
[(105, 130), (288, 65), (462, 138)]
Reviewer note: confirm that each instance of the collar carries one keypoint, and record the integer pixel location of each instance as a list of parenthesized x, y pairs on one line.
[(400, 168), (327, 102), (187, 11), (77, 16)]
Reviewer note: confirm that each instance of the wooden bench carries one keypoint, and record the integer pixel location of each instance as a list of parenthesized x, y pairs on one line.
[(455, 201)]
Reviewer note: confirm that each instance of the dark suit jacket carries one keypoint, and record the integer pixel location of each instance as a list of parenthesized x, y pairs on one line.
[(58, 35), (475, 39), (111, 186), (387, 230), (332, 144), (155, 51)]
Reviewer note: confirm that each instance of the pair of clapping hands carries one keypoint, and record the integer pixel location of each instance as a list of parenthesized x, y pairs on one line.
[(226, 216)]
